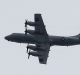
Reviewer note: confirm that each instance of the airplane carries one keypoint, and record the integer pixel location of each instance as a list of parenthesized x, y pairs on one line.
[(39, 41)]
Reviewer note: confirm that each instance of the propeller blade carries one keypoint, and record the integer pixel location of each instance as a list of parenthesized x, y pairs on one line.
[(25, 31), (27, 49), (28, 54), (25, 23), (26, 26)]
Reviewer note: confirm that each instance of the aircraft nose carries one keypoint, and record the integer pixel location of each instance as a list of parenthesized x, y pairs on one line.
[(7, 37)]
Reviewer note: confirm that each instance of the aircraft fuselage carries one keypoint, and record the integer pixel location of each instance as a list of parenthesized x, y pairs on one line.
[(34, 39), (41, 39)]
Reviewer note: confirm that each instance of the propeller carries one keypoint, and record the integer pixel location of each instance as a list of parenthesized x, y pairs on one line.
[(27, 47), (25, 26), (28, 54), (26, 23)]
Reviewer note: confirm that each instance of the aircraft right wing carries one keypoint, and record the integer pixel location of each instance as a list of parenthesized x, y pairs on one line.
[(39, 27)]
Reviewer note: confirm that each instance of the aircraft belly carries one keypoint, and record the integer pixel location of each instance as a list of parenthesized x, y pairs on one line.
[(65, 41), (22, 38), (40, 39), (28, 39)]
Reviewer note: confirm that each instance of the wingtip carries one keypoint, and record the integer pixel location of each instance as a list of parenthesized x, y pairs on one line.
[(37, 14)]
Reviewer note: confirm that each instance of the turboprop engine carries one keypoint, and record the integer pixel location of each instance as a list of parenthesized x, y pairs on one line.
[(31, 31), (29, 23), (35, 53), (35, 48)]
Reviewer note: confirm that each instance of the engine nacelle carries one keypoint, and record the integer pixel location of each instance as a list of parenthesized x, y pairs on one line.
[(35, 48), (30, 23), (31, 31), (33, 53)]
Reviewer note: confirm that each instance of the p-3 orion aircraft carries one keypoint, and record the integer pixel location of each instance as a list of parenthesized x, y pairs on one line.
[(39, 42)]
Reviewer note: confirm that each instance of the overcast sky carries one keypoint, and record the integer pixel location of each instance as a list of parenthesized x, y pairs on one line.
[(61, 17)]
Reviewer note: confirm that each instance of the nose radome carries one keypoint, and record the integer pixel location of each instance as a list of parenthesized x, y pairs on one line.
[(6, 37)]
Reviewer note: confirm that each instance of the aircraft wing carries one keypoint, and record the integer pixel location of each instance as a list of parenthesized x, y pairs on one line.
[(39, 27), (44, 57)]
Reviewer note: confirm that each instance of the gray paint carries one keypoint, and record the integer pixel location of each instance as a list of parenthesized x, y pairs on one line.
[(61, 18)]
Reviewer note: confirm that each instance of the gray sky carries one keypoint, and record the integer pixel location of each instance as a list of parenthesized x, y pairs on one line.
[(61, 17)]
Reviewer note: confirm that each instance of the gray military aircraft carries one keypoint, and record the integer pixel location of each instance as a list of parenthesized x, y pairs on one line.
[(41, 40)]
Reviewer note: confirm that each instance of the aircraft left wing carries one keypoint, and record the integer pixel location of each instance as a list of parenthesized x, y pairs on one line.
[(45, 53)]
